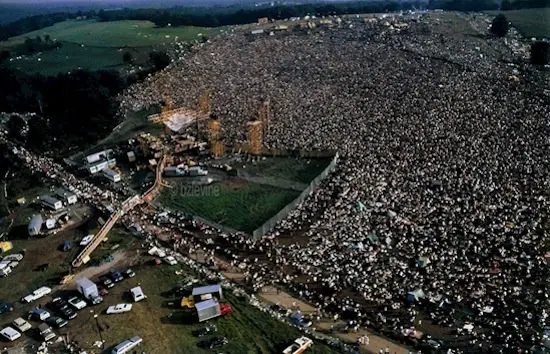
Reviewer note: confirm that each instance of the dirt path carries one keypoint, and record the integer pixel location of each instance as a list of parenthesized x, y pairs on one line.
[(375, 342), (90, 272), (271, 295)]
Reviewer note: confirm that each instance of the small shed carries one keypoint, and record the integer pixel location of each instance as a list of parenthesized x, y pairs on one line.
[(207, 309), (207, 292), (35, 225)]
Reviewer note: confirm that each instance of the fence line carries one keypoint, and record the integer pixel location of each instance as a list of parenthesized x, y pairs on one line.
[(270, 224)]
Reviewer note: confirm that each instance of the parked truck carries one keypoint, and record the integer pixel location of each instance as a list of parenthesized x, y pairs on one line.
[(89, 290)]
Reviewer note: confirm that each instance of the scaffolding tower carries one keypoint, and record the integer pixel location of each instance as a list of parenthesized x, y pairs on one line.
[(255, 137), (205, 108), (216, 146)]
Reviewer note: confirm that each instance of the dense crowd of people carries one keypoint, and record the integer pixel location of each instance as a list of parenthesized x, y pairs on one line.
[(438, 210)]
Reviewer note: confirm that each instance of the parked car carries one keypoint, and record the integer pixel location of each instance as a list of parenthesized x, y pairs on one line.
[(62, 307), (205, 331), (116, 276), (77, 303), (95, 300), (106, 281), (5, 307), (171, 260), (37, 294), (212, 343), (120, 308), (57, 322), (46, 331), (21, 325), (40, 314), (10, 334), (17, 257), (129, 273)]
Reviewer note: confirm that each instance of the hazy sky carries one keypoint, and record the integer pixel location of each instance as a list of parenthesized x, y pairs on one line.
[(21, 2)]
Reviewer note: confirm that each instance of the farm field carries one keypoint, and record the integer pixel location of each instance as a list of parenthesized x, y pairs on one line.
[(237, 203), (530, 22), (98, 45)]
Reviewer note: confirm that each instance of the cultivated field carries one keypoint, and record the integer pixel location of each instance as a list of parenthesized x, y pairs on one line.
[(530, 22), (98, 45)]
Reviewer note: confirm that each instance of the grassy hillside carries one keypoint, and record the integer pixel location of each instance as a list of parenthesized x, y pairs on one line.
[(113, 34), (97, 45), (530, 22)]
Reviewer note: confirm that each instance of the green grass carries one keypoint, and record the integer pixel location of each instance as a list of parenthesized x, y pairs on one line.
[(237, 204), (167, 328), (530, 22), (70, 57), (97, 45), (292, 169), (116, 34)]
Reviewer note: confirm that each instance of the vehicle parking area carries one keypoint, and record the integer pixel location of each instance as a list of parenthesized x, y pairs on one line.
[(159, 319)]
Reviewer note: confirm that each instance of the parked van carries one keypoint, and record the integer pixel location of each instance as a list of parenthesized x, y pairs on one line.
[(137, 294)]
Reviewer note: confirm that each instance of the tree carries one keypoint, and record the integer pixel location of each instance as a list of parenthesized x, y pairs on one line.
[(127, 58), (15, 126), (499, 27), (4, 55), (540, 53), (159, 60)]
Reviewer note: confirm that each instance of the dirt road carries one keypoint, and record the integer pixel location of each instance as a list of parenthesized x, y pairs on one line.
[(271, 295)]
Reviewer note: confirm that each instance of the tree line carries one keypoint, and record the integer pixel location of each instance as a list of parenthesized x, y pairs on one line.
[(72, 110), (236, 15)]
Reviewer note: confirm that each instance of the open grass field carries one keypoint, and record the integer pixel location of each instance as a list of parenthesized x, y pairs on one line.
[(288, 168), (98, 45), (237, 203), (530, 22), (163, 325), (166, 328)]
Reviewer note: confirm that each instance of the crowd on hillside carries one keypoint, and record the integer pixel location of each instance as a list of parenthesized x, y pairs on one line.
[(438, 211)]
